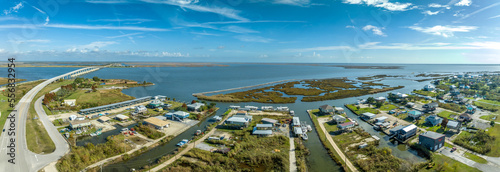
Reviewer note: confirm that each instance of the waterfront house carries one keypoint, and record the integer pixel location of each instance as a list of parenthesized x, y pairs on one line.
[(195, 106), (396, 129), (465, 117), (296, 121), (241, 112), (104, 119), (157, 123), (70, 102), (79, 124), (282, 108), (251, 107), (264, 126), (269, 121), (368, 115), (234, 107), (380, 119), (155, 104), (338, 119), (240, 121), (471, 109), (431, 140), (339, 110), (429, 88), (297, 131), (326, 109), (434, 120), (414, 114), (72, 117), (410, 104), (453, 125), (346, 125), (181, 114), (430, 106), (407, 132), (267, 108), (140, 109), (121, 117), (380, 99)]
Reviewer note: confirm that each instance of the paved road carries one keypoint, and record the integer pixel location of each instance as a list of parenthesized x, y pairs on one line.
[(293, 160), (26, 160), (458, 155)]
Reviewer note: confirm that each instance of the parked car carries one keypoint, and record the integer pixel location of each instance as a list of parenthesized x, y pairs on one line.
[(453, 149)]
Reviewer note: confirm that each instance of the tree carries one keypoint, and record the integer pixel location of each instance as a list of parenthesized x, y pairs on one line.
[(184, 105), (444, 123), (96, 79), (379, 104), (193, 102), (370, 100), (492, 123), (143, 82)]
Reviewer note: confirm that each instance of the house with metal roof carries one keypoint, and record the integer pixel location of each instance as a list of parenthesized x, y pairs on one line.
[(339, 110), (157, 123), (325, 109), (238, 121), (297, 131), (396, 129), (434, 120), (269, 121), (346, 125), (195, 106), (407, 132), (465, 117), (104, 119), (121, 117), (430, 106), (414, 114), (381, 119), (368, 115), (453, 125), (262, 132), (338, 119), (431, 140), (78, 124)]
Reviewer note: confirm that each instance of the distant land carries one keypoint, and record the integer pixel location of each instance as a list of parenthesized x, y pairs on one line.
[(113, 64)]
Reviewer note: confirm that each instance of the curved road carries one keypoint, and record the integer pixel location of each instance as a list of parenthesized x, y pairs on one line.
[(25, 160)]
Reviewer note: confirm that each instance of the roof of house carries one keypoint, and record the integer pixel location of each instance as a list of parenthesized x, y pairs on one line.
[(338, 117), (181, 113), (409, 127), (465, 115), (452, 124), (237, 119), (264, 125), (432, 135), (326, 107), (381, 118), (346, 124), (415, 112), (297, 130), (156, 121), (369, 114), (263, 132), (76, 122), (120, 116), (161, 117), (296, 121), (433, 117), (433, 104), (339, 109), (269, 120), (196, 105), (380, 98), (104, 118), (399, 127), (242, 111)]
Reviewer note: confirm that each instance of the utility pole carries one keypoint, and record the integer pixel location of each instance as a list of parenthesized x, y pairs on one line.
[(101, 167)]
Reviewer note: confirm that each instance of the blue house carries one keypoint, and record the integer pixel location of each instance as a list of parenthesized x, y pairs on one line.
[(434, 120)]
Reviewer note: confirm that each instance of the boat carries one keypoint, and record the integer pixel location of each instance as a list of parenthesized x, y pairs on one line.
[(182, 142), (304, 136), (309, 128), (198, 132), (292, 112)]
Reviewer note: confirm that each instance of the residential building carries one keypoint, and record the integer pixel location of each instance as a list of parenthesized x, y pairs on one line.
[(195, 106), (234, 107), (431, 140), (429, 88), (338, 119), (251, 107), (155, 103), (238, 121), (269, 121), (70, 102), (380, 119), (410, 104), (368, 115), (241, 112), (434, 120), (178, 114), (471, 109), (430, 106), (339, 110), (407, 132), (465, 117), (453, 125), (78, 124), (326, 109), (297, 131), (267, 108), (380, 99), (104, 119), (262, 132), (121, 117), (396, 129), (264, 126), (414, 114), (140, 109), (157, 123), (346, 125), (282, 108), (296, 121)]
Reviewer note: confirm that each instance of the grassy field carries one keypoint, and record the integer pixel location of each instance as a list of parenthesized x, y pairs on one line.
[(475, 158), (495, 132), (100, 97), (446, 114), (443, 163), (6, 80), (490, 102), (388, 107), (486, 106), (490, 117), (425, 93), (362, 110)]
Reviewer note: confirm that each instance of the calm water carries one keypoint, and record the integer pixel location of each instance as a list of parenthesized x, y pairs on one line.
[(181, 82)]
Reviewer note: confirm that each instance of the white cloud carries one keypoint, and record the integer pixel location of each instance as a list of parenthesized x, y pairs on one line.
[(495, 17), (205, 33), (376, 30), (293, 2), (445, 31), (221, 47), (238, 29), (430, 13), (30, 41), (248, 38), (464, 3), (124, 35), (88, 27), (434, 5), (350, 26), (138, 20), (14, 9), (191, 5), (263, 56), (397, 6), (256, 21), (327, 48)]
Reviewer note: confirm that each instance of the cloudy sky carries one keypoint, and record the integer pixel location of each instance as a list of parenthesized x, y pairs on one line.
[(312, 31)]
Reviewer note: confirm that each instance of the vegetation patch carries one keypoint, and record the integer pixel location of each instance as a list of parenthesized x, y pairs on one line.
[(425, 93), (447, 114), (357, 110), (6, 80), (479, 142), (476, 158), (452, 107), (443, 163), (301, 152), (148, 131)]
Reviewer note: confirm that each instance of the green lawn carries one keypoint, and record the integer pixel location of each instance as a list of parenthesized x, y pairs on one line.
[(446, 114), (490, 117), (363, 110), (331, 127), (444, 163), (425, 93), (490, 102), (475, 158), (388, 107), (495, 132)]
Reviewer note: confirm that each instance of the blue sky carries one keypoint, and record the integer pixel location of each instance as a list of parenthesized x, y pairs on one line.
[(310, 31)]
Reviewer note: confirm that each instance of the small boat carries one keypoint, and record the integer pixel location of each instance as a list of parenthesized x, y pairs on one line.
[(184, 141), (304, 136), (309, 128), (292, 112), (198, 132)]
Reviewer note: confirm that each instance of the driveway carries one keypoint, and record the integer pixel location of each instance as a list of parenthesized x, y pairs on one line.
[(458, 155)]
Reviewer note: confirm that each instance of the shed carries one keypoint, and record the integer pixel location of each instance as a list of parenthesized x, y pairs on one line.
[(262, 132), (264, 125)]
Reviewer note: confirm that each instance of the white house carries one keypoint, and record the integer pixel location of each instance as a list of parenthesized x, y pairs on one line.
[(429, 88)]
